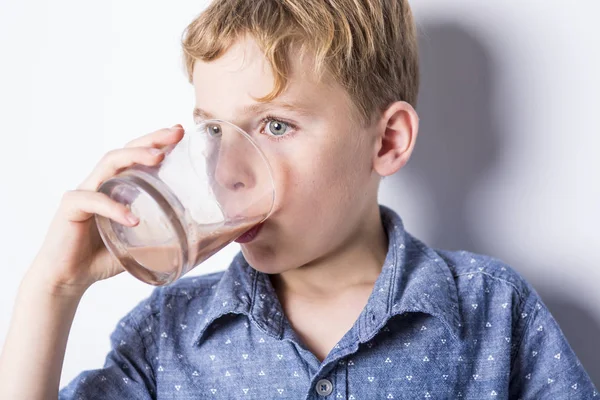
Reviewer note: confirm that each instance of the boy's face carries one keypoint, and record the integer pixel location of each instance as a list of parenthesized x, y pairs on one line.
[(322, 163)]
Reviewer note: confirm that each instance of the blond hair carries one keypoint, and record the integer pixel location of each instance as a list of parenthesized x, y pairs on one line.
[(368, 46)]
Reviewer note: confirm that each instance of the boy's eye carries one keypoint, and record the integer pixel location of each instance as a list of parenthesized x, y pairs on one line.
[(213, 129), (277, 128)]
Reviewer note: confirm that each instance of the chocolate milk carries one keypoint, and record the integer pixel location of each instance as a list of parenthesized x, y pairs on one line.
[(165, 259)]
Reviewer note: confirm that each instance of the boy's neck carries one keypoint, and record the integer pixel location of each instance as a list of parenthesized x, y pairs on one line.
[(355, 265)]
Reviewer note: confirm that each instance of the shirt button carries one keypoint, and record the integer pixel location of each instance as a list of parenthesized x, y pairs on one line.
[(324, 387)]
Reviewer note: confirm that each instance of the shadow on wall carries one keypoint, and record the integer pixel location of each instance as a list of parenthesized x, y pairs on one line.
[(459, 142)]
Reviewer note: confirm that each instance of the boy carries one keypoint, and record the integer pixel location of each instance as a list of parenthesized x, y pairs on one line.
[(333, 299)]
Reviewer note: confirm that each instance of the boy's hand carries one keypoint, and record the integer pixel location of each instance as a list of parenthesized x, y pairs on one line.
[(73, 255)]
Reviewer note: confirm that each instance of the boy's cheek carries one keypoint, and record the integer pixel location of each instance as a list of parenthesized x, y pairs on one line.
[(312, 181)]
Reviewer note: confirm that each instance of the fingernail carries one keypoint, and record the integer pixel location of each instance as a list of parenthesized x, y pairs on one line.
[(174, 127), (154, 151), (132, 218)]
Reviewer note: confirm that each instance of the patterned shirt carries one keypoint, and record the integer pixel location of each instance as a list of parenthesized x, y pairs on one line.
[(438, 324)]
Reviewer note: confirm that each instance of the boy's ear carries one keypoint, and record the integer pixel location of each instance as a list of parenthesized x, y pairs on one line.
[(397, 131)]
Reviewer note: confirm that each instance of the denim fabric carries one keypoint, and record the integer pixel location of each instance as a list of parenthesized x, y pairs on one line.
[(438, 324)]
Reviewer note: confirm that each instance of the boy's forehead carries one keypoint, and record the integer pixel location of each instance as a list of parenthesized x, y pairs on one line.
[(243, 74)]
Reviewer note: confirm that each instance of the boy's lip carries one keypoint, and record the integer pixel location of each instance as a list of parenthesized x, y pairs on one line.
[(250, 234)]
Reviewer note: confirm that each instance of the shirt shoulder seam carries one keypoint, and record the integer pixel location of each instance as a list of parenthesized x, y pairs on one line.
[(136, 326), (517, 290), (525, 330)]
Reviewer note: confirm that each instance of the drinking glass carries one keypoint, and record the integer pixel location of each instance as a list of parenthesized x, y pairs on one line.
[(213, 187)]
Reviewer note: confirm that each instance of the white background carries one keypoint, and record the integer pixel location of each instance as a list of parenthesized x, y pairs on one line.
[(506, 162)]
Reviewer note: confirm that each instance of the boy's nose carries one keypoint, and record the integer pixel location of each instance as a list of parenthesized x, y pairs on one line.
[(233, 169), (234, 172)]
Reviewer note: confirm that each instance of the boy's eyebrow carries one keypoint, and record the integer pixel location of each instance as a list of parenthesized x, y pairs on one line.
[(258, 108)]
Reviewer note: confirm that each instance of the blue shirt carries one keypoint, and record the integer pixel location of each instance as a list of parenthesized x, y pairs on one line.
[(438, 324)]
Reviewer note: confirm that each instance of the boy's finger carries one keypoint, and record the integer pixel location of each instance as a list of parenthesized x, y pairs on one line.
[(116, 160), (81, 205), (159, 138)]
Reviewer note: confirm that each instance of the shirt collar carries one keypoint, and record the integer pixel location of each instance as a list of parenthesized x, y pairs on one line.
[(414, 278)]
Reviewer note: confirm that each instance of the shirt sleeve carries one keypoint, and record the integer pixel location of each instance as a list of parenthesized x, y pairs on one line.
[(545, 366), (128, 371)]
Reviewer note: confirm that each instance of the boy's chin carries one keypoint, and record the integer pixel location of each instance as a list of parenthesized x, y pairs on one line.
[(264, 260)]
